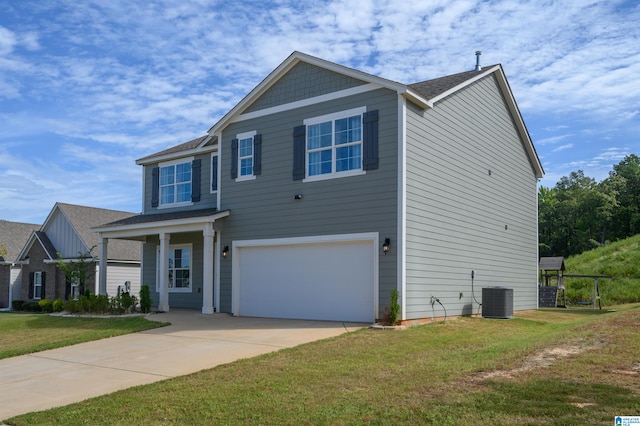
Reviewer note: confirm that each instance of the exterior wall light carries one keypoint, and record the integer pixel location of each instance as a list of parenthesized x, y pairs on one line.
[(225, 252), (386, 245)]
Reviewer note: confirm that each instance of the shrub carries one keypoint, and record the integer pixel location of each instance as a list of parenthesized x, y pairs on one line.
[(32, 307), (394, 308), (73, 306), (58, 305), (145, 299), (17, 305), (46, 305), (124, 303)]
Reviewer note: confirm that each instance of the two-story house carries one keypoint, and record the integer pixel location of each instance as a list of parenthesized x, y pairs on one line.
[(327, 187)]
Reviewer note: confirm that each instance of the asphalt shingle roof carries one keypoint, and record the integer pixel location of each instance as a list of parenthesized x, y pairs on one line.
[(434, 87), (14, 235), (160, 217), (185, 146), (84, 218)]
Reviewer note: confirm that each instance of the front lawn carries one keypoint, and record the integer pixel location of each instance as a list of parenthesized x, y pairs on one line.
[(558, 367), (22, 333)]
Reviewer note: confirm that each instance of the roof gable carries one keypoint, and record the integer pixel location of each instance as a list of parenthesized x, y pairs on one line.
[(13, 236), (80, 220)]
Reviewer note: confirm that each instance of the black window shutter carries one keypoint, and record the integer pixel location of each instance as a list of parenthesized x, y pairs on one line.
[(234, 158), (257, 155), (44, 276), (31, 285), (214, 173), (155, 187), (299, 152), (370, 140), (67, 288), (195, 180)]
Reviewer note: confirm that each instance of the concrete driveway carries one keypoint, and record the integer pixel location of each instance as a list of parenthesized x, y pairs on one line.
[(191, 343)]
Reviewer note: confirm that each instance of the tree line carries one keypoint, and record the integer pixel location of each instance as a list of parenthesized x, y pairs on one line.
[(579, 214)]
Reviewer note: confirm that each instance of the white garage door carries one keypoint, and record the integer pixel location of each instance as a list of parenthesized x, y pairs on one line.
[(320, 281)]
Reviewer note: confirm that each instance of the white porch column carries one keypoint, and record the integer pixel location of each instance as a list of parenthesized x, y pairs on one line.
[(207, 269), (163, 279), (216, 276), (102, 265)]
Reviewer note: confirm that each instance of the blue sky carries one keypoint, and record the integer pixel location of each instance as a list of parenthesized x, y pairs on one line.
[(87, 87)]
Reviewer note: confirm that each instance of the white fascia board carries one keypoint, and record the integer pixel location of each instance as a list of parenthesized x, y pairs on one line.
[(152, 228), (289, 63), (520, 125), (416, 98), (176, 155)]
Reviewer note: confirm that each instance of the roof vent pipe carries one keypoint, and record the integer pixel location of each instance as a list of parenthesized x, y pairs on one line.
[(478, 67)]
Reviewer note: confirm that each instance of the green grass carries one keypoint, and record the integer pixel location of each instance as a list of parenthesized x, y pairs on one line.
[(26, 333), (620, 259), (464, 371)]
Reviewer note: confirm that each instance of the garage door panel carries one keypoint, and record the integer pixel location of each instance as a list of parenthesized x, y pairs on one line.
[(328, 281)]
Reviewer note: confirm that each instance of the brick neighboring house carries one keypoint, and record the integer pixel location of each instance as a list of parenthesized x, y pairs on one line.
[(13, 236), (67, 230)]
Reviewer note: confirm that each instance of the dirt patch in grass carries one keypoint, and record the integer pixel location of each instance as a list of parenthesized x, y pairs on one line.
[(542, 359)]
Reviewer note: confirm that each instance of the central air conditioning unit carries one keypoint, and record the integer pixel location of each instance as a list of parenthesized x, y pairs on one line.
[(497, 302)]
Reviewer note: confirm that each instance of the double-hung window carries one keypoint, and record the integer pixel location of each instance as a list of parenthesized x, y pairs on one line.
[(37, 285), (246, 155), (175, 183), (179, 268), (334, 144)]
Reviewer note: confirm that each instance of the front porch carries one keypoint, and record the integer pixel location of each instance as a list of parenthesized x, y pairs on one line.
[(158, 229)]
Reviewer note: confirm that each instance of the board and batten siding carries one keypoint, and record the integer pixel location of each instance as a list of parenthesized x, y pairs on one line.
[(64, 237), (471, 204), (207, 199), (265, 208)]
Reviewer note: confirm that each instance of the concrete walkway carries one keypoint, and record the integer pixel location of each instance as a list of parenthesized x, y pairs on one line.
[(191, 343)]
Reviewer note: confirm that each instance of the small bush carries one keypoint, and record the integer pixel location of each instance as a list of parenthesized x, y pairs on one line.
[(46, 305), (58, 305), (32, 307), (394, 308), (72, 306), (17, 305), (145, 299), (124, 303)]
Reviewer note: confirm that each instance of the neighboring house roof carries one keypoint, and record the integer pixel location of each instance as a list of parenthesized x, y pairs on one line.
[(551, 263), (425, 94), (83, 218), (14, 235)]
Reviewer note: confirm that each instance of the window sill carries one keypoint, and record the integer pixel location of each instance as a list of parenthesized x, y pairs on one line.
[(335, 175), (243, 178), (168, 206)]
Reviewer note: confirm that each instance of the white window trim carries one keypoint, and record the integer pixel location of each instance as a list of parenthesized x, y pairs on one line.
[(174, 289), (173, 163), (332, 117), (211, 191), (37, 274), (240, 136)]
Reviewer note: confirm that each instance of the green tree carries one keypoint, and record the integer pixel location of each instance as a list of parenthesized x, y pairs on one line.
[(624, 181), (3, 250), (79, 270)]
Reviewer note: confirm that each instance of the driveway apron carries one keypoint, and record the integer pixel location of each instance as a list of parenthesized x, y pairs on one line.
[(191, 343)]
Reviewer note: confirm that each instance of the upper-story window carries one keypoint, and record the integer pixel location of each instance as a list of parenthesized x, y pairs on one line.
[(246, 156), (175, 183), (340, 144)]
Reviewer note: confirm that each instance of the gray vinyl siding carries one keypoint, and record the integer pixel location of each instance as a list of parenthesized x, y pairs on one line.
[(264, 208), (191, 300), (468, 177), (303, 81), (207, 199)]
